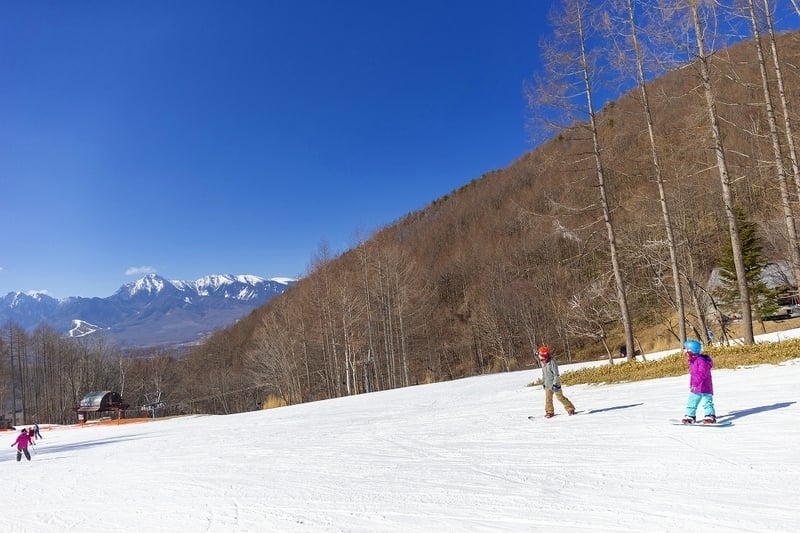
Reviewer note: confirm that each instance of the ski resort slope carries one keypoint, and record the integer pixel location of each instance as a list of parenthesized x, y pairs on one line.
[(456, 456)]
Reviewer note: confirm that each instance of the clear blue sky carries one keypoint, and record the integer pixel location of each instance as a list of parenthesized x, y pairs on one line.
[(196, 137)]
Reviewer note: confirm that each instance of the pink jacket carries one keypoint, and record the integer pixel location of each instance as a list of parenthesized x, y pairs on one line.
[(22, 441), (700, 373)]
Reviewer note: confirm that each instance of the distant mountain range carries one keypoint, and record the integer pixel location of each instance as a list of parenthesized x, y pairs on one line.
[(150, 311)]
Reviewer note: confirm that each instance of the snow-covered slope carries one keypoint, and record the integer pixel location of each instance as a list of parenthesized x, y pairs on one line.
[(456, 456)]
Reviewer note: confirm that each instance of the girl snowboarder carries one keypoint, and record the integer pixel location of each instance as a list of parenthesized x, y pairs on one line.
[(700, 386)]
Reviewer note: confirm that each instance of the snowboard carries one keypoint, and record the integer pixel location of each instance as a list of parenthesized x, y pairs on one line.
[(534, 417), (717, 424)]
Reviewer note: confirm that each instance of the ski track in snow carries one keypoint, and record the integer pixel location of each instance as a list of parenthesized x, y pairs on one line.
[(456, 456)]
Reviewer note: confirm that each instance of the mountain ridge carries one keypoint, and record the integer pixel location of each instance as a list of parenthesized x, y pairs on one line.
[(149, 311)]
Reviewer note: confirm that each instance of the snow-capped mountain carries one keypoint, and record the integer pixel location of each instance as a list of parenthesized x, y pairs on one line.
[(149, 311)]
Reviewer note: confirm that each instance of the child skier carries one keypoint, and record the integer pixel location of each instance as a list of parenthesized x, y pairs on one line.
[(700, 385), (552, 383), (22, 442)]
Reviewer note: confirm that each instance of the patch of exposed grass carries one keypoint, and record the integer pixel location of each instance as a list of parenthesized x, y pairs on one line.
[(769, 353)]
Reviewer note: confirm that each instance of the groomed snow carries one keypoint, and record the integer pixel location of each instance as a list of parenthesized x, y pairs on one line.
[(448, 457)]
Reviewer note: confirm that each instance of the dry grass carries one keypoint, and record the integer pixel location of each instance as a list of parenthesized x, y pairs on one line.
[(272, 402), (118, 421), (770, 353)]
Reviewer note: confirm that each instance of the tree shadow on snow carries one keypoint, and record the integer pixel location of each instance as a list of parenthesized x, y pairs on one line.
[(733, 415), (603, 410)]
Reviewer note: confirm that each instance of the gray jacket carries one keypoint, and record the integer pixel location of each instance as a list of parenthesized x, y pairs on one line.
[(550, 378)]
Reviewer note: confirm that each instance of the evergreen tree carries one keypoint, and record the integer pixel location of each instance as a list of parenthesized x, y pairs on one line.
[(762, 298)]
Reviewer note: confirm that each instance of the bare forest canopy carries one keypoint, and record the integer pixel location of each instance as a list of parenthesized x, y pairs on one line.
[(473, 282)]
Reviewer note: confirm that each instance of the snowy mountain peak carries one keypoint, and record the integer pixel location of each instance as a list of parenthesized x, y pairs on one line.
[(150, 284), (149, 311), (17, 299), (218, 281), (239, 287)]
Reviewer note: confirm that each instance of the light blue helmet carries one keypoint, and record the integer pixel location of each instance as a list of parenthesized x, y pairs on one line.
[(693, 346)]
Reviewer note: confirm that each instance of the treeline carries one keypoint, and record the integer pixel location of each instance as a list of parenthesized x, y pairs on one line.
[(612, 226), (44, 376)]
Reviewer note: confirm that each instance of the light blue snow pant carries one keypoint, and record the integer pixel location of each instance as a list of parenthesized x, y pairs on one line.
[(694, 400)]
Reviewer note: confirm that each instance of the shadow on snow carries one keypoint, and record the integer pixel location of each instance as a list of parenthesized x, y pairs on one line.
[(733, 415), (605, 409), (49, 450)]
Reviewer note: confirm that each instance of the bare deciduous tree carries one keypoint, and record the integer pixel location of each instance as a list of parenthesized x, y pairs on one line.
[(774, 135), (636, 53), (571, 68), (694, 18)]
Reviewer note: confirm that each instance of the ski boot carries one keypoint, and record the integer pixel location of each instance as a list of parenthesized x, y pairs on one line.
[(710, 419), (549, 415), (688, 419)]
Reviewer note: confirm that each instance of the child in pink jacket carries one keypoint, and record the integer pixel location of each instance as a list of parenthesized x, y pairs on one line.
[(701, 387), (22, 442)]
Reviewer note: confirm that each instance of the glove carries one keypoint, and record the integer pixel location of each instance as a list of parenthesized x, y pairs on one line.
[(556, 388)]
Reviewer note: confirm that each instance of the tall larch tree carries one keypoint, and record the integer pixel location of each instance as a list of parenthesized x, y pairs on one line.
[(694, 21), (775, 139), (632, 51)]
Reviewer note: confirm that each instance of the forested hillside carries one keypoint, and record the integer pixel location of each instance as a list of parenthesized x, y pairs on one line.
[(474, 281)]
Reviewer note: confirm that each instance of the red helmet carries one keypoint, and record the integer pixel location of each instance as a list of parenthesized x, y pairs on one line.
[(543, 352)]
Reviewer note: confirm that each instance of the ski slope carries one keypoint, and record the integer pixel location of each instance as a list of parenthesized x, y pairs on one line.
[(456, 456)]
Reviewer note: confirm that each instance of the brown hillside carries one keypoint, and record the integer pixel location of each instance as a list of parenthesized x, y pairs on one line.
[(474, 281)]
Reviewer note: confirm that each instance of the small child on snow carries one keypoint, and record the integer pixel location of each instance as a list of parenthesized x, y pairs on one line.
[(700, 385), (552, 383), (22, 442)]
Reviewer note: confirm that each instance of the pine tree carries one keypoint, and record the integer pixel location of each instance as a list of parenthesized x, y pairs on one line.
[(762, 298)]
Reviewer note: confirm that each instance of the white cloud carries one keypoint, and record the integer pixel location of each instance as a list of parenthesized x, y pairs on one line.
[(136, 271), (36, 293)]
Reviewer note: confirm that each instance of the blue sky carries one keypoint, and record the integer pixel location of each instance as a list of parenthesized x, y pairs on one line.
[(195, 137)]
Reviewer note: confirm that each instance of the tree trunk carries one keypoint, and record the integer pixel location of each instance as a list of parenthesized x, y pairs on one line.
[(722, 166), (602, 189), (788, 132), (665, 211)]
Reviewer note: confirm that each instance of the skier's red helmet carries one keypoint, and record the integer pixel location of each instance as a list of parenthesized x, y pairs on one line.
[(543, 352)]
